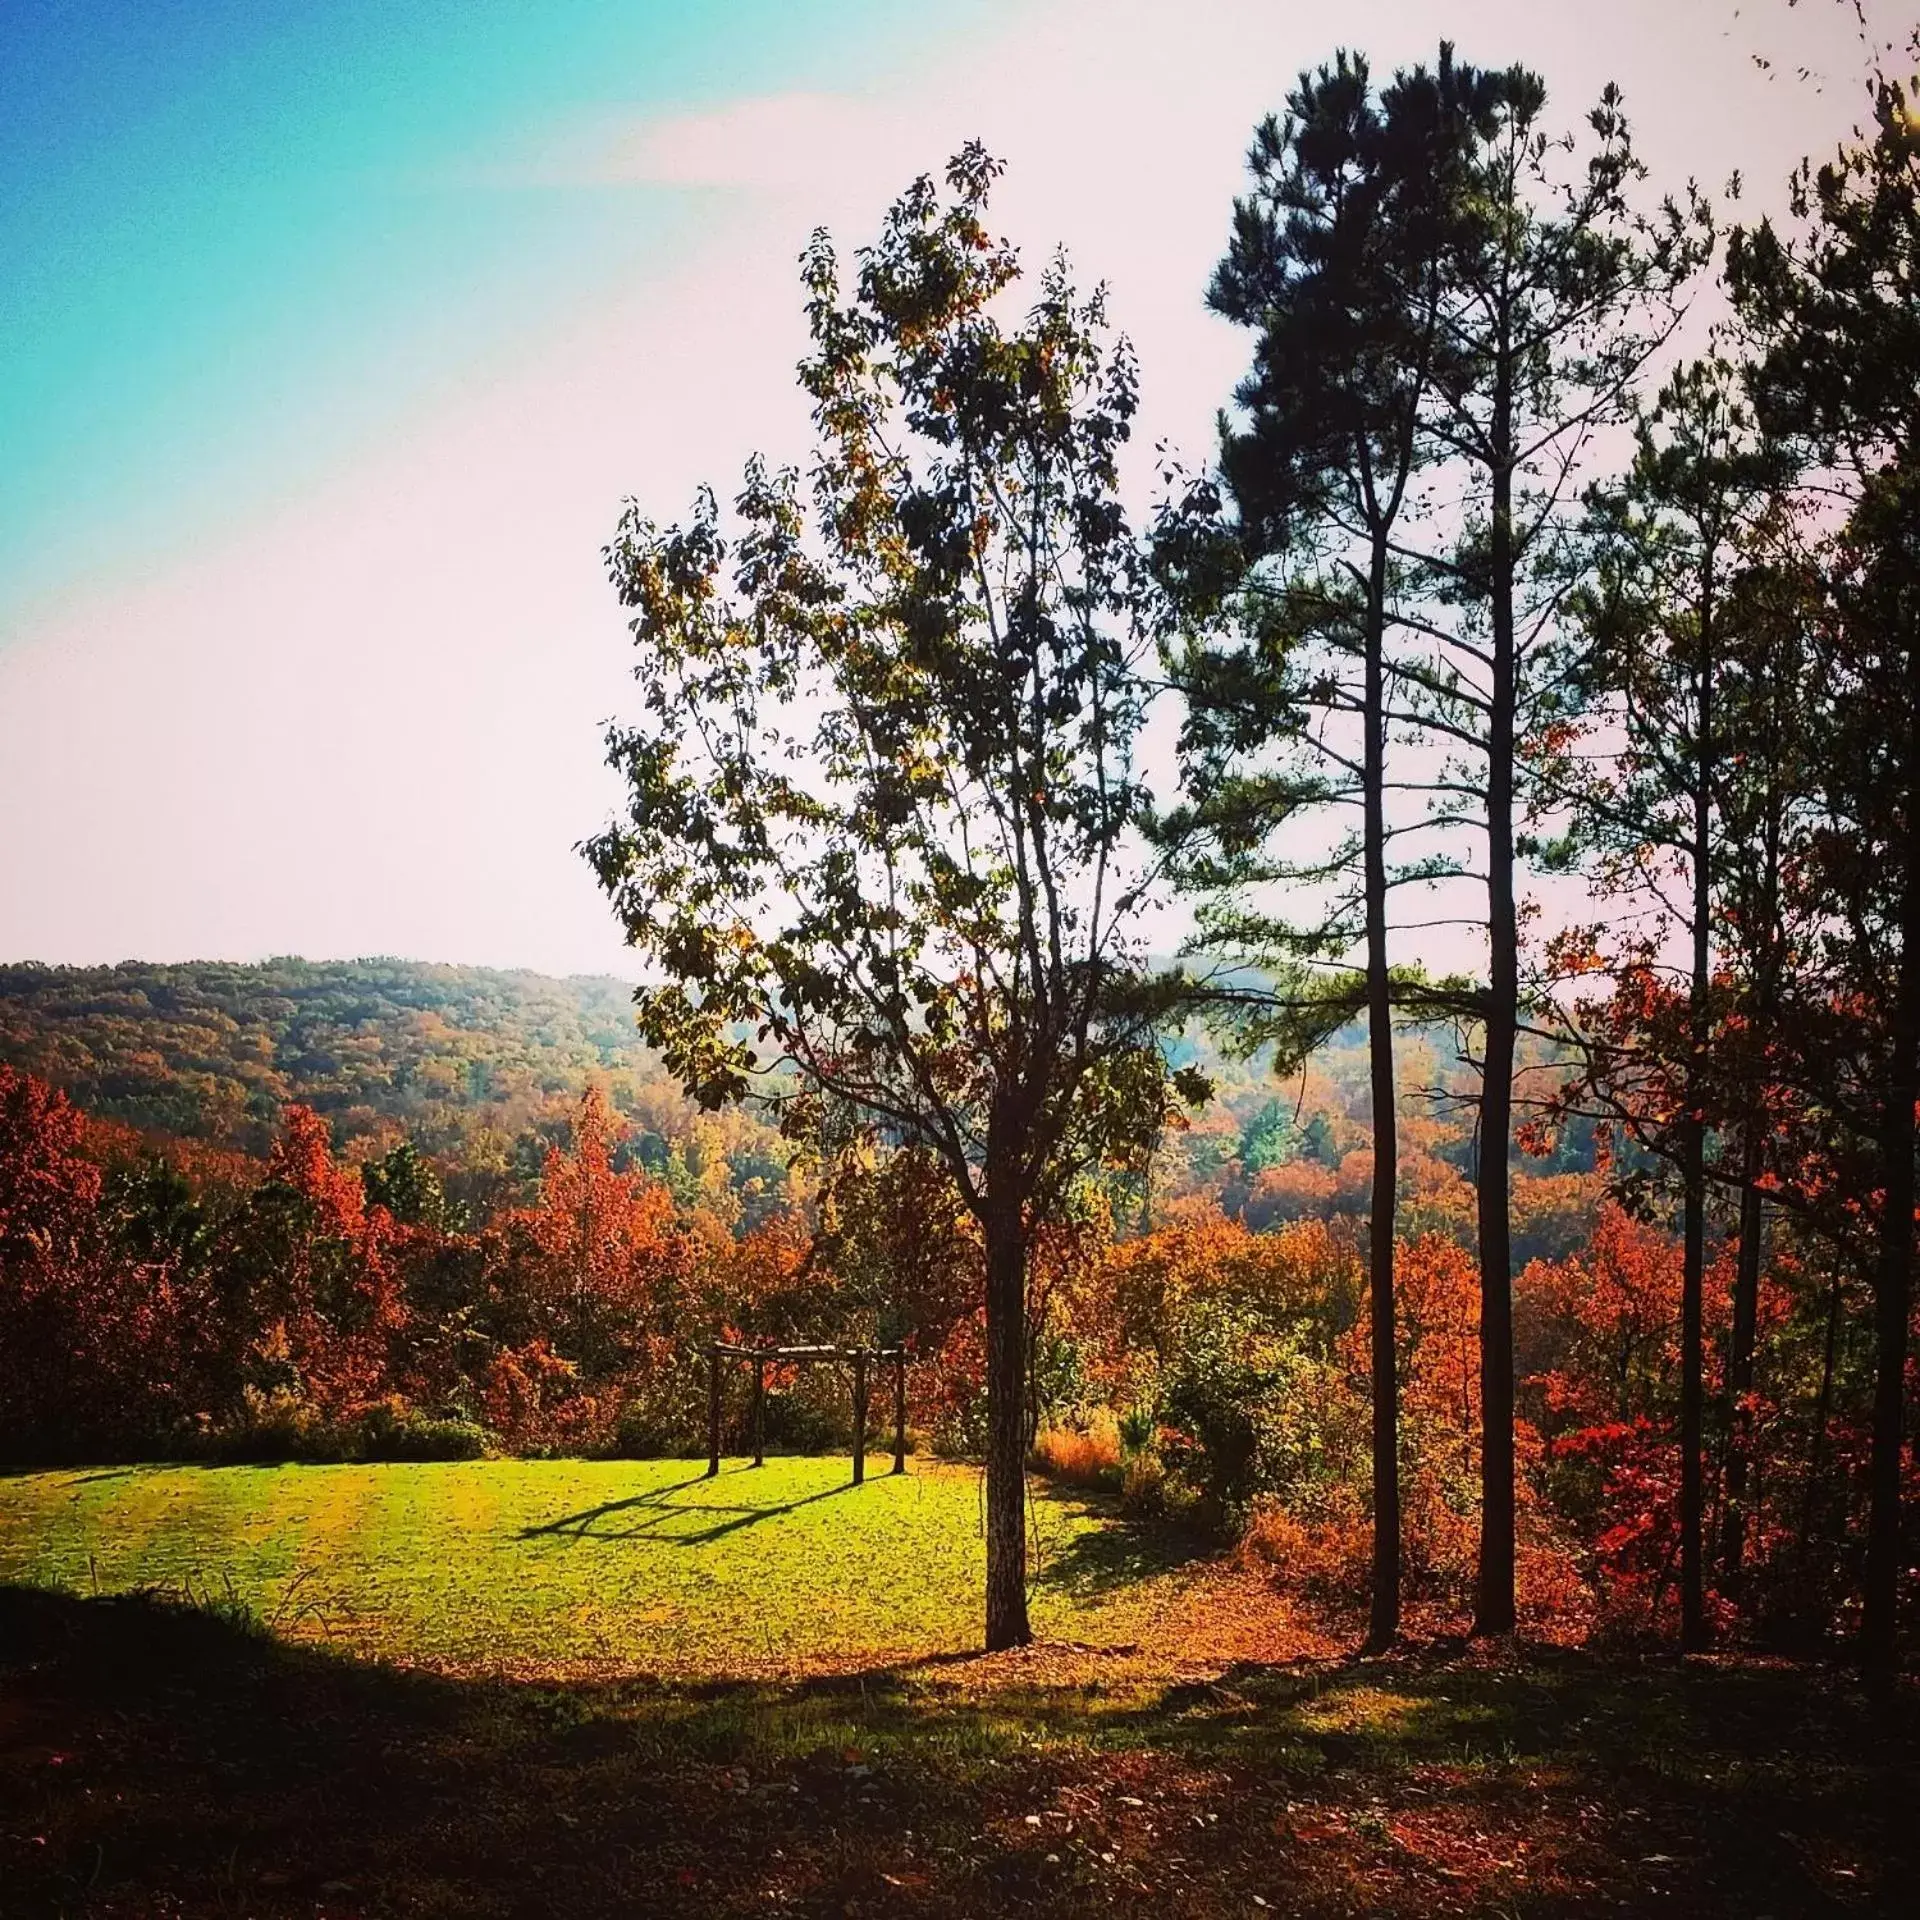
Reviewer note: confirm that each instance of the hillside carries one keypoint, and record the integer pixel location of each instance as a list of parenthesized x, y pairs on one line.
[(480, 1068), (213, 1051)]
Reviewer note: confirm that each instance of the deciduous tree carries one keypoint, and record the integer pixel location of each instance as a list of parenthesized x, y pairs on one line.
[(881, 844)]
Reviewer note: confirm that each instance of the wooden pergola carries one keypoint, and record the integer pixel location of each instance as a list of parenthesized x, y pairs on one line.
[(859, 1358)]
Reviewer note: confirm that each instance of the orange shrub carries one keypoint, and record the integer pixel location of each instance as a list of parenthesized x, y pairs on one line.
[(1088, 1456), (1327, 1557)]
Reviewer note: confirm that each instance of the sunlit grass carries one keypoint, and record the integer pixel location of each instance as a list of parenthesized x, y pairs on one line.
[(560, 1564)]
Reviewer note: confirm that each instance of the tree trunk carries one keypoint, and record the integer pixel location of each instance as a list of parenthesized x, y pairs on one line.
[(1753, 1209), (1494, 1602), (1892, 1294), (1693, 1263), (1746, 1321), (900, 1410), (1383, 1625), (859, 1417), (1822, 1419), (1006, 1434), (1693, 1630)]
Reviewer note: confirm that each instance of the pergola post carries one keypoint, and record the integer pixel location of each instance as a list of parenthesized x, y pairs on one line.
[(859, 1415), (759, 1413), (899, 1409), (713, 1410)]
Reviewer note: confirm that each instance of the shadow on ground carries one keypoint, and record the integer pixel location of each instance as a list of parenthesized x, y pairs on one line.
[(1120, 1553), (158, 1759), (655, 1516)]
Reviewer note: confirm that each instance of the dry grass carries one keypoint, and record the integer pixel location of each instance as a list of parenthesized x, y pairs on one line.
[(1084, 1455)]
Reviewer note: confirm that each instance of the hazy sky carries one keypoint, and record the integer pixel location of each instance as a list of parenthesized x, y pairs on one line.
[(332, 334)]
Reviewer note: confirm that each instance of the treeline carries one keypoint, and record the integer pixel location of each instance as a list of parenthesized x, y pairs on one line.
[(165, 1298), (161, 1295), (171, 1300), (1558, 528)]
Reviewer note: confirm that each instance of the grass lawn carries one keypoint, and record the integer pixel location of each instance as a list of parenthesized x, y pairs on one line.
[(613, 1689), (584, 1567)]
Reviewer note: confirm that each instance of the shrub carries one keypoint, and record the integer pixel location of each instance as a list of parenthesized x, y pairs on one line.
[(1143, 1482), (1136, 1428), (647, 1431), (1086, 1452), (278, 1424), (1248, 1409), (392, 1430), (1149, 1490), (1328, 1557), (815, 1415)]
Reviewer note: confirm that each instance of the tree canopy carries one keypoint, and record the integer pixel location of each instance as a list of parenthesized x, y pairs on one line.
[(883, 835)]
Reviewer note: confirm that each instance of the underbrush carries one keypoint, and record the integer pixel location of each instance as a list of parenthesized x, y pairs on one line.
[(1084, 1451), (279, 1426)]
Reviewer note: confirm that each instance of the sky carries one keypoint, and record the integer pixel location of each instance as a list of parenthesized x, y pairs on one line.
[(333, 335)]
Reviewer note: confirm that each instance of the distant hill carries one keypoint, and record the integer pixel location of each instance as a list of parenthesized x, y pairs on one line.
[(213, 1050), (481, 1067)]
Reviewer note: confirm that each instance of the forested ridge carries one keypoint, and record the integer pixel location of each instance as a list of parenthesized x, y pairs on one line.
[(213, 1051)]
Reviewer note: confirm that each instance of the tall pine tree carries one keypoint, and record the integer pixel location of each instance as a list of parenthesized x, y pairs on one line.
[(1334, 265), (1556, 295)]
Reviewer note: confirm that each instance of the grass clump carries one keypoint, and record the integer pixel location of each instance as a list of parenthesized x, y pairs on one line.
[(1084, 1452)]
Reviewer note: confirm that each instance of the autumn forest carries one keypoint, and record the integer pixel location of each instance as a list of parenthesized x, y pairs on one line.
[(1349, 998)]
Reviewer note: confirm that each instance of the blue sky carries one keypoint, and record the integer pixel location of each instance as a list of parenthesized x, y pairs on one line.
[(241, 237), (332, 333)]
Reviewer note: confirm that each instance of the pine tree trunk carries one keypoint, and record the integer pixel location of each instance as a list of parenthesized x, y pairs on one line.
[(1384, 1620), (1006, 1435), (1693, 1263), (1746, 1321), (1693, 1629), (1494, 1607), (1892, 1296), (1753, 1219)]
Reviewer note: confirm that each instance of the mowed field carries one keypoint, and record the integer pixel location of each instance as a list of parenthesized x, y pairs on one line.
[(580, 1567)]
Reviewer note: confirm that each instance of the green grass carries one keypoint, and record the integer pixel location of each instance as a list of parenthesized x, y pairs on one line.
[(567, 1565)]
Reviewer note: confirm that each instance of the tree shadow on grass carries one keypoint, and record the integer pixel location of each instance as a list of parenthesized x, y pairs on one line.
[(82, 1476), (158, 1758), (1118, 1553), (652, 1514)]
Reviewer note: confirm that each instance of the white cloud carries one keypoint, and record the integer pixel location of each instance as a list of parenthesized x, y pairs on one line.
[(778, 144)]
